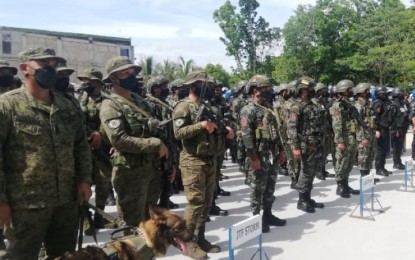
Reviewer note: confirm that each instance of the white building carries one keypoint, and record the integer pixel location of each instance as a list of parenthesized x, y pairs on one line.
[(80, 50)]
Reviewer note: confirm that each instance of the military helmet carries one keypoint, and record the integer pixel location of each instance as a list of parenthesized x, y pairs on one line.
[(397, 91), (381, 92), (241, 85), (283, 86), (320, 86), (361, 88), (156, 81), (257, 81), (177, 83), (343, 85), (304, 82)]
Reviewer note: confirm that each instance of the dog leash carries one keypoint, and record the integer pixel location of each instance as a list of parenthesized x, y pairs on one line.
[(102, 213)]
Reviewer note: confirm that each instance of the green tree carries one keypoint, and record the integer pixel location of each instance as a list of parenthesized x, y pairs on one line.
[(248, 37), (184, 67), (147, 65), (167, 69), (218, 72)]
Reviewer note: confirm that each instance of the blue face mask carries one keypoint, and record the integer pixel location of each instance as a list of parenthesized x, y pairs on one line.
[(130, 83)]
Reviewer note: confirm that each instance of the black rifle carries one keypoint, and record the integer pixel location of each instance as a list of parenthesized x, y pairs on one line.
[(205, 113)]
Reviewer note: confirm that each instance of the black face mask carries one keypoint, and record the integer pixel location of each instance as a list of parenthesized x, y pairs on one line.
[(6, 80), (129, 83), (266, 95), (89, 90), (46, 77), (182, 93), (164, 93), (350, 94), (62, 84)]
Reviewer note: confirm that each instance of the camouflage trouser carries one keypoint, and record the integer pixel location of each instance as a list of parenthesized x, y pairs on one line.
[(137, 188), (57, 227), (345, 159), (241, 149), (292, 164), (101, 172), (199, 183), (308, 168), (262, 184), (366, 155), (326, 150)]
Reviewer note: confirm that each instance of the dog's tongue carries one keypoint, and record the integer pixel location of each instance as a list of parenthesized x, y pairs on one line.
[(182, 246)]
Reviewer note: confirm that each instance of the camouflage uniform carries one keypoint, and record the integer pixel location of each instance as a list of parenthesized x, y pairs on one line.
[(40, 184), (163, 112), (260, 136), (236, 106), (132, 130), (366, 154), (304, 134), (101, 165), (345, 129), (197, 159), (7, 76)]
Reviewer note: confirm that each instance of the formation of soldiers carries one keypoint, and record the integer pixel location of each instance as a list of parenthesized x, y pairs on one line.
[(146, 141)]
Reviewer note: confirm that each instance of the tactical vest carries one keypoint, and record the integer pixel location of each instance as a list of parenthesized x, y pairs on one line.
[(382, 118), (309, 123), (266, 136), (400, 115), (368, 116), (202, 144)]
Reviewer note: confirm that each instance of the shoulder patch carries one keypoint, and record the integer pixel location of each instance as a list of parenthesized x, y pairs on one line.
[(114, 123), (179, 122)]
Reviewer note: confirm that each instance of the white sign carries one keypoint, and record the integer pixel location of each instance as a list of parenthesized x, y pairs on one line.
[(246, 230), (368, 182)]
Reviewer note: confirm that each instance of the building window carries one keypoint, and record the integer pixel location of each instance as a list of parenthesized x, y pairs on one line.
[(7, 43), (125, 52)]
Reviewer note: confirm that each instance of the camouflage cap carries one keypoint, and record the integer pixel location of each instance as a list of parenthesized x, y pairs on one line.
[(5, 65), (91, 74), (157, 80), (63, 67), (197, 75), (41, 53), (119, 63)]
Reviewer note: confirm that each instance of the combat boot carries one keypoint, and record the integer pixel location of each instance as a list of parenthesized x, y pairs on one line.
[(313, 203), (265, 226), (195, 252), (382, 172), (399, 166), (351, 191), (204, 244), (320, 176), (272, 220), (327, 174), (293, 185), (303, 204), (342, 190)]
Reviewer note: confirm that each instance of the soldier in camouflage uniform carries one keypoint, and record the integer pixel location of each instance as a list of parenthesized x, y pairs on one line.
[(92, 84), (157, 92), (7, 74), (42, 186), (132, 129), (365, 137), (344, 128), (304, 138), (283, 94), (239, 101), (200, 138), (260, 136), (320, 100), (176, 92), (292, 163)]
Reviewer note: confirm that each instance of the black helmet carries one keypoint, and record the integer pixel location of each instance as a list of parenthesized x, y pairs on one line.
[(381, 92), (398, 91)]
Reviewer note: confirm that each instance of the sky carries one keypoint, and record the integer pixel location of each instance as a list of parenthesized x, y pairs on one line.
[(164, 29)]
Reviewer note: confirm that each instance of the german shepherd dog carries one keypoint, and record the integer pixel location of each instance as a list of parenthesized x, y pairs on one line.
[(164, 228)]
